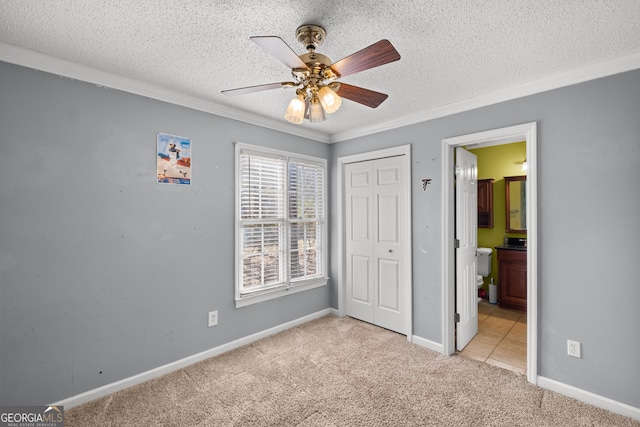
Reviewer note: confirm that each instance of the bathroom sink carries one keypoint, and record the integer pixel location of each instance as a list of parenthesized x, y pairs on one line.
[(512, 248), (516, 241)]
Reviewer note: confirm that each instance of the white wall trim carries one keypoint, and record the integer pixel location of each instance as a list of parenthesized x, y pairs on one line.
[(402, 150), (431, 345), (590, 398), (527, 132), (597, 70), (190, 360), (39, 61)]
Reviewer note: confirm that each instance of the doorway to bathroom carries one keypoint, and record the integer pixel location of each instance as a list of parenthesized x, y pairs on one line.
[(509, 135), (501, 338)]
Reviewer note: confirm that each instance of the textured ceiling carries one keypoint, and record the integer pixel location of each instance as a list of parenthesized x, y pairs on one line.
[(452, 50)]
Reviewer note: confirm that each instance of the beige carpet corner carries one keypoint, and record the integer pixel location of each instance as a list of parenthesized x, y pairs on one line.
[(339, 372)]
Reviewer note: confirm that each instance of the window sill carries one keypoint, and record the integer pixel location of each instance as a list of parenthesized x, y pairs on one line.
[(277, 293)]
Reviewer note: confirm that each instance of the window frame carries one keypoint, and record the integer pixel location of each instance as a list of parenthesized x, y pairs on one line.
[(288, 286)]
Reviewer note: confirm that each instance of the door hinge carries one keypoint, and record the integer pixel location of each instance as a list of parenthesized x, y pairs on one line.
[(457, 317), (456, 243)]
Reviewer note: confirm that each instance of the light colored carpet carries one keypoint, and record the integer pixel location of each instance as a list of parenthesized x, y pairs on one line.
[(339, 372)]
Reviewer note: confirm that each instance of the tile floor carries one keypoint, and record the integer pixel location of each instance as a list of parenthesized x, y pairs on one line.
[(501, 339)]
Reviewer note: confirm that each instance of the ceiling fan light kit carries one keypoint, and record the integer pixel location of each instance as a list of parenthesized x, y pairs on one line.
[(295, 111), (316, 112), (314, 74), (330, 101)]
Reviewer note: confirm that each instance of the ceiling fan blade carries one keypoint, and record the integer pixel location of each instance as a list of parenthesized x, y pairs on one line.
[(278, 48), (258, 88), (361, 95), (377, 54)]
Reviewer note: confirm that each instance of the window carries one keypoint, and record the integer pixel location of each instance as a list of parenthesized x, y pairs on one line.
[(280, 223)]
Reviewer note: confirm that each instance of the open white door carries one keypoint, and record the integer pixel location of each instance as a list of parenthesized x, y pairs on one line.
[(467, 236)]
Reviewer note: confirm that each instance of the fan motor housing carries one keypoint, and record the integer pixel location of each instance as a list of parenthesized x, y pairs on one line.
[(314, 59), (319, 69)]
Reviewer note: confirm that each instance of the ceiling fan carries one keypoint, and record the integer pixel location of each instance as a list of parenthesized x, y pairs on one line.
[(314, 74)]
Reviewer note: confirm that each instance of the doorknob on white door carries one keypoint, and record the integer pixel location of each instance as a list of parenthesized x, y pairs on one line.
[(390, 250)]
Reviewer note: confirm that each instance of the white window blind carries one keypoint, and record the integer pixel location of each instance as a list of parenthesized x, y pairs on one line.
[(262, 218), (281, 221), (306, 219)]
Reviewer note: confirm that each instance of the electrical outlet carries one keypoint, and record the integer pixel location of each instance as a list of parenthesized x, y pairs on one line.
[(573, 349), (213, 318)]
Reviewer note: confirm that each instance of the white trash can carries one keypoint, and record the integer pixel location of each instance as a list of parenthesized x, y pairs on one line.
[(493, 293)]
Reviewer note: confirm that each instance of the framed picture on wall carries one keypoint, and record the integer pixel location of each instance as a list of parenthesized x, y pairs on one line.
[(173, 159)]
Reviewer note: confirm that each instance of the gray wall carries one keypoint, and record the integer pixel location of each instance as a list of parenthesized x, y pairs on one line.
[(102, 270), (588, 210), (105, 274)]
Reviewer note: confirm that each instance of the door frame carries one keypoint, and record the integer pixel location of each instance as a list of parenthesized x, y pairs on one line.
[(528, 133), (405, 151)]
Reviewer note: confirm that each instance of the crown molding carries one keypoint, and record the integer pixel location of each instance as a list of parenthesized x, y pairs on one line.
[(594, 71), (42, 62), (39, 61)]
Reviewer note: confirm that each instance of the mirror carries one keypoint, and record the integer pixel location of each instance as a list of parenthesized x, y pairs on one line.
[(516, 202)]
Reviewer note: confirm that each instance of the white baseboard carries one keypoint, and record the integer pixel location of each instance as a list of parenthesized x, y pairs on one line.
[(431, 345), (105, 390), (590, 398)]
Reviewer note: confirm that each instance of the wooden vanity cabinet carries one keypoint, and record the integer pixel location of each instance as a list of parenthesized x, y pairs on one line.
[(485, 203), (512, 279)]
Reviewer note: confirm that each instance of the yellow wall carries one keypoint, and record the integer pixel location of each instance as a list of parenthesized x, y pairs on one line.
[(497, 162)]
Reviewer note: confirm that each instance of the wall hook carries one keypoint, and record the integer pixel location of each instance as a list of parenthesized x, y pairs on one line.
[(425, 182)]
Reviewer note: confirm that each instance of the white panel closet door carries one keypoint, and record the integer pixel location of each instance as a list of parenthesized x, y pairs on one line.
[(375, 204)]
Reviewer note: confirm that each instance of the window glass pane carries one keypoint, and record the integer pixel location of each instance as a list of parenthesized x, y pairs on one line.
[(262, 260), (305, 244)]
